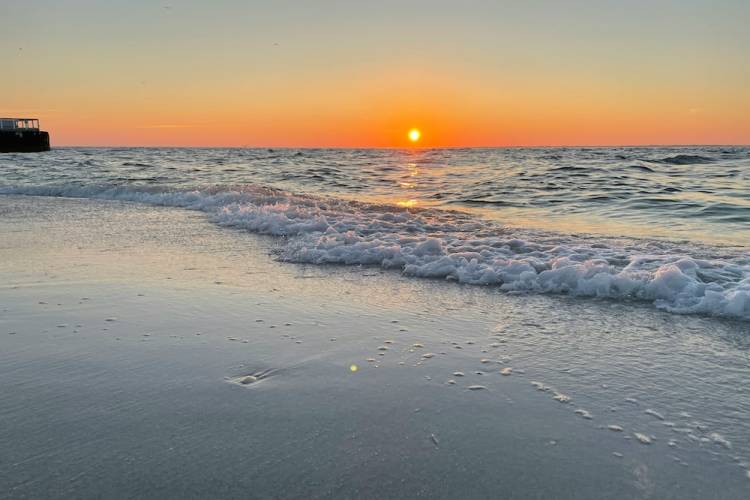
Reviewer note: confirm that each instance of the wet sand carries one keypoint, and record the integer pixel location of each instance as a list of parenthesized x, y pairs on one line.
[(146, 353)]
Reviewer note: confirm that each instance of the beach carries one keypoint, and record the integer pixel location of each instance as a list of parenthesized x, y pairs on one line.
[(149, 352), (375, 250)]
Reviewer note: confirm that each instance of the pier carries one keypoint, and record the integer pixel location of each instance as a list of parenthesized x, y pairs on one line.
[(22, 135)]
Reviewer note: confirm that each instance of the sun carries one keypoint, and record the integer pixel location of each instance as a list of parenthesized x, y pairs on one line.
[(414, 135)]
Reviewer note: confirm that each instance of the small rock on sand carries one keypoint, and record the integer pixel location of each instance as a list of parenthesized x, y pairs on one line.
[(458, 374), (615, 428), (476, 387), (428, 355), (506, 371)]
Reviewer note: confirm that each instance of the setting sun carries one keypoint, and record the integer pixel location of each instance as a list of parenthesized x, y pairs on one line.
[(414, 135)]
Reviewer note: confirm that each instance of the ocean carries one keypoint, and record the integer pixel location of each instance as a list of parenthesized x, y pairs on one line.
[(665, 227)]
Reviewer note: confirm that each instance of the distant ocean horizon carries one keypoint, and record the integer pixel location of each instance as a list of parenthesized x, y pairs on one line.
[(404, 148)]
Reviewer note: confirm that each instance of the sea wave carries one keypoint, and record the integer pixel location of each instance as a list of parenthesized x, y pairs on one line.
[(683, 159), (441, 244)]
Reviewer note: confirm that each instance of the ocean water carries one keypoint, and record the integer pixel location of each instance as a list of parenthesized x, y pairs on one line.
[(662, 227)]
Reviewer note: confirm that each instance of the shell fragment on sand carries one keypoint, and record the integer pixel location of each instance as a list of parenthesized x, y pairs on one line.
[(562, 398), (720, 440), (583, 413), (248, 379), (642, 438), (654, 413), (434, 439)]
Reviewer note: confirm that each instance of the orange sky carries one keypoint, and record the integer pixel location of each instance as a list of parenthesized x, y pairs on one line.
[(356, 75)]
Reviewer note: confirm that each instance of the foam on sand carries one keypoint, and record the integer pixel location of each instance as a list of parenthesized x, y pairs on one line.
[(439, 244)]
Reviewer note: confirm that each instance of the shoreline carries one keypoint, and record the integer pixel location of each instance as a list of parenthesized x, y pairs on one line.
[(89, 408)]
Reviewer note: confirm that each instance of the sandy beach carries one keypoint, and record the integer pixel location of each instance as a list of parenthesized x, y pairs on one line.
[(148, 353), (374, 250)]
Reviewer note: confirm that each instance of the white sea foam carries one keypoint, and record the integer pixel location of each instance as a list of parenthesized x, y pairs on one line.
[(455, 246)]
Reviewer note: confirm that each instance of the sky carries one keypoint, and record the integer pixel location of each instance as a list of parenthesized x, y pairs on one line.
[(363, 73)]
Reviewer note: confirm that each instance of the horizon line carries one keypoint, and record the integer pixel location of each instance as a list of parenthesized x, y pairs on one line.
[(560, 146)]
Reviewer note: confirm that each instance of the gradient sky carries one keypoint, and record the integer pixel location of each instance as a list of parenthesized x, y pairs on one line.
[(351, 73)]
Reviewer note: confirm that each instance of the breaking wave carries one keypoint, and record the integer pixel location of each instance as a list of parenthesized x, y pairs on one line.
[(441, 244)]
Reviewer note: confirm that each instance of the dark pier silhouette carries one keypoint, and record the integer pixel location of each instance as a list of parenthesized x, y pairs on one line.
[(22, 135)]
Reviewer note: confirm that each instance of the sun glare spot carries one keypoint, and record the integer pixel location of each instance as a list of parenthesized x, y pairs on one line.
[(414, 135)]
